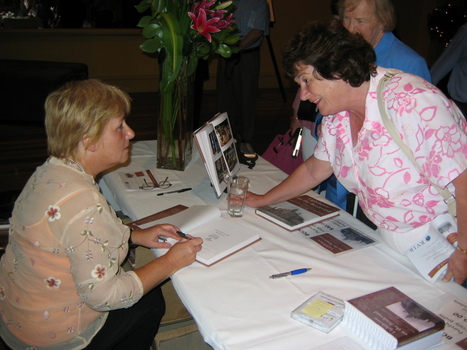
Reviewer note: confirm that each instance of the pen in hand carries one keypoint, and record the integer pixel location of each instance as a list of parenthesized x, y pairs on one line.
[(290, 273), (183, 235), (164, 239)]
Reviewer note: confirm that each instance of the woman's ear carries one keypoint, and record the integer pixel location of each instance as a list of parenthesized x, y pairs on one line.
[(88, 146)]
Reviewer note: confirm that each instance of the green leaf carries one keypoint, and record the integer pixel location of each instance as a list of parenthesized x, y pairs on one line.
[(203, 49), (144, 21), (192, 64), (173, 42), (159, 5), (143, 6), (151, 30), (185, 21), (225, 50), (151, 45), (223, 5), (231, 40)]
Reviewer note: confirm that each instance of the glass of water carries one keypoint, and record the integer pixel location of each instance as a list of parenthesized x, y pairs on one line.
[(236, 195)]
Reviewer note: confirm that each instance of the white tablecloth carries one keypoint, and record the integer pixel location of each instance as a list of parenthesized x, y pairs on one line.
[(234, 303)]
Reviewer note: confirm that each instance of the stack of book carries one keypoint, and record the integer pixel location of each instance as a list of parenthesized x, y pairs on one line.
[(388, 319)]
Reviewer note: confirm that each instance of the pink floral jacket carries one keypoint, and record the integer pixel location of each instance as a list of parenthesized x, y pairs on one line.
[(391, 191)]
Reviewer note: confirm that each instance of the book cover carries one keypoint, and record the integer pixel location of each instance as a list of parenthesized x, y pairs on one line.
[(216, 145), (298, 212), (337, 237), (389, 319), (222, 237)]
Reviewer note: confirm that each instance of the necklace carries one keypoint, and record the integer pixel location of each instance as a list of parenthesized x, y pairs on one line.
[(70, 161), (79, 166)]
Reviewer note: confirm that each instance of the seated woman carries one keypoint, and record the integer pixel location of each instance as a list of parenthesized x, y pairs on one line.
[(61, 284), (335, 70)]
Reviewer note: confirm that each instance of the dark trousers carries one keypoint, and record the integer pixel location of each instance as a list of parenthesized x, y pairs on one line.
[(237, 92), (132, 328), (462, 106)]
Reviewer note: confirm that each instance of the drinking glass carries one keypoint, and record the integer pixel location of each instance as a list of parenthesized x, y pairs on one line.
[(236, 195)]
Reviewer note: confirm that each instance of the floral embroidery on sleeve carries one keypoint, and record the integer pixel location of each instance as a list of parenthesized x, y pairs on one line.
[(53, 282), (53, 212), (99, 272)]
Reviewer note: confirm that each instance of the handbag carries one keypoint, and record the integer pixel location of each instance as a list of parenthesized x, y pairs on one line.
[(279, 153), (448, 197)]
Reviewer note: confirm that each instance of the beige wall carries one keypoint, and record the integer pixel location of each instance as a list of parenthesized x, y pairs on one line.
[(114, 56)]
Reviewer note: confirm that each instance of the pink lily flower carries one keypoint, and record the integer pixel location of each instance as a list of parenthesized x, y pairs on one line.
[(203, 5), (202, 25), (226, 23)]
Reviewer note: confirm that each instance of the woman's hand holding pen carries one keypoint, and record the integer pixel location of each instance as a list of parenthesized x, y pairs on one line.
[(184, 252), (156, 236), (181, 254)]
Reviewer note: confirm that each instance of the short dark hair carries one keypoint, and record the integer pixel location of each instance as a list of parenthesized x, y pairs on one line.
[(333, 51)]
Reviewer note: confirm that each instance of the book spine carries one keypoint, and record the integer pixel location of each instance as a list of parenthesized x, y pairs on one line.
[(365, 329)]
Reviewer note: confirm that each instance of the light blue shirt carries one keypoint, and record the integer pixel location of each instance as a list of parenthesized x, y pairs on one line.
[(393, 53), (252, 14)]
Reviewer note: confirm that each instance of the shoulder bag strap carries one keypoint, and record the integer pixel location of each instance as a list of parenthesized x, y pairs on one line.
[(448, 196)]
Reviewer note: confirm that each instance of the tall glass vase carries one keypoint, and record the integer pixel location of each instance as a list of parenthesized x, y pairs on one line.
[(175, 125)]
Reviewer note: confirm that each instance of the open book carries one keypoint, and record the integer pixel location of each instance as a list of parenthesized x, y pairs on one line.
[(298, 212), (389, 319), (222, 237), (216, 145)]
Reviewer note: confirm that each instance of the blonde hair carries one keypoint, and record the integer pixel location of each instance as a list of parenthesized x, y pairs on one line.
[(81, 109), (383, 10)]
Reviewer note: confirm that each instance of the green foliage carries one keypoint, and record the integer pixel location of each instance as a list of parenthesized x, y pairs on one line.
[(181, 32), (169, 29)]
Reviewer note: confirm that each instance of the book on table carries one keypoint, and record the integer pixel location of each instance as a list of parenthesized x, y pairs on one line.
[(221, 236), (337, 236), (298, 212), (216, 145), (389, 319)]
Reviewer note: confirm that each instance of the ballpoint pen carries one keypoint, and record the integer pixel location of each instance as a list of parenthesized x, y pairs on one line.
[(177, 191), (293, 272), (183, 235)]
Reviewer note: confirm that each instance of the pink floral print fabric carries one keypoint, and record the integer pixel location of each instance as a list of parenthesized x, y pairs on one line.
[(391, 191)]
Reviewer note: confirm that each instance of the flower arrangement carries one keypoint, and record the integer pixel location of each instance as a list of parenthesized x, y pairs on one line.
[(185, 28), (181, 32)]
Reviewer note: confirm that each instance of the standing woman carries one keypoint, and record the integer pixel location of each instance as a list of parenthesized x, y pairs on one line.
[(335, 70), (61, 283)]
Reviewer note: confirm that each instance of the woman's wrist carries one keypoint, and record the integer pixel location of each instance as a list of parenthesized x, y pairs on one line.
[(130, 242), (463, 251)]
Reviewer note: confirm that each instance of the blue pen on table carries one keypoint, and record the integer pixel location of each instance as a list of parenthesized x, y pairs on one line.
[(290, 273), (177, 191)]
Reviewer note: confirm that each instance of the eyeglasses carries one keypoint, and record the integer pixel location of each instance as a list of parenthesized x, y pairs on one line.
[(148, 186)]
